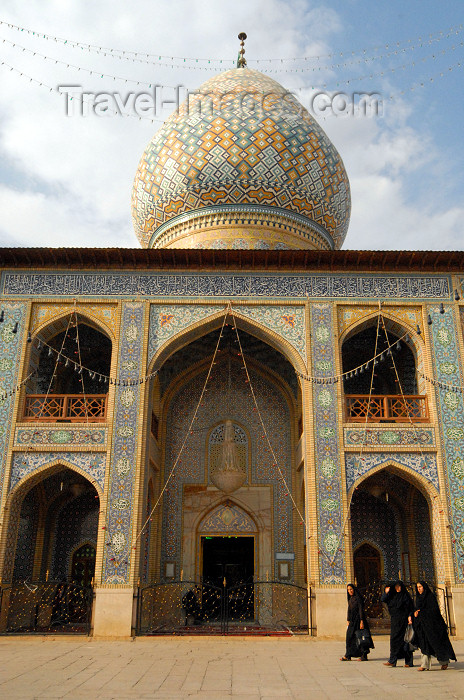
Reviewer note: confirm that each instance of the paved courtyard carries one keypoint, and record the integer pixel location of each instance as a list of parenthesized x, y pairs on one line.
[(212, 669)]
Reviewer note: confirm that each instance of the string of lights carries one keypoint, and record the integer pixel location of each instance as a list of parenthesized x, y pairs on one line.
[(153, 58), (319, 68)]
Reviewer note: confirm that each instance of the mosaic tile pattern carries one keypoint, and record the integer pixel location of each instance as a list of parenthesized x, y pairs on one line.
[(286, 321), (191, 468), (230, 154), (227, 518), (168, 320), (10, 351), (24, 463), (328, 459), (389, 437), (76, 524), (298, 286), (375, 522), (127, 423), (42, 313), (350, 315), (60, 436), (424, 548), (448, 369), (357, 465)]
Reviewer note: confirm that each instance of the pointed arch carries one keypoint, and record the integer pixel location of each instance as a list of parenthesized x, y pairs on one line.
[(211, 323)]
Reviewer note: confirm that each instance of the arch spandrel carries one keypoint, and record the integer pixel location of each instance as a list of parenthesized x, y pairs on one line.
[(420, 469), (101, 317), (210, 319), (225, 518), (27, 465), (353, 319)]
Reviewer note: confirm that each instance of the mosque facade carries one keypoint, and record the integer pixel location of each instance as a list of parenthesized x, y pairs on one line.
[(221, 429)]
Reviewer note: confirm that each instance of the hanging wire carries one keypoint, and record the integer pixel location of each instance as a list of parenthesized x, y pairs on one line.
[(186, 436), (143, 56)]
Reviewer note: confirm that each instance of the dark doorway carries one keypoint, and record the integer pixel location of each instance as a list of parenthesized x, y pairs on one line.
[(367, 565), (83, 565), (228, 562)]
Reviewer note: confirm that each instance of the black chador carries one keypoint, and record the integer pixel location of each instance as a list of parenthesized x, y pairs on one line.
[(357, 622), (400, 606), (430, 627)]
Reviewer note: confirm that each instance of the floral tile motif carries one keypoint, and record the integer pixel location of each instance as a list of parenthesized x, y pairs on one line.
[(24, 463), (42, 313), (331, 540), (349, 315), (264, 286), (227, 518), (10, 354), (168, 320), (393, 437), (286, 321), (357, 465), (60, 436), (127, 424), (448, 369)]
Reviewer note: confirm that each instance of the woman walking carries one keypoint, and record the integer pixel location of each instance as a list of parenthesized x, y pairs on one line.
[(431, 630), (357, 627), (400, 607)]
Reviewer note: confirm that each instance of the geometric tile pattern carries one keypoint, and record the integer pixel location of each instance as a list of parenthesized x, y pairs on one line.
[(389, 437), (327, 453), (286, 321), (267, 286), (57, 437), (216, 149), (10, 354), (168, 320), (25, 463), (358, 465), (448, 369), (126, 429)]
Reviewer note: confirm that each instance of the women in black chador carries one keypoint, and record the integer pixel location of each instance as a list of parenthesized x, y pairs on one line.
[(356, 621), (400, 607), (431, 630)]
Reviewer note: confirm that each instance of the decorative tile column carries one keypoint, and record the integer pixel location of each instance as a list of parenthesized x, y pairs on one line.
[(448, 370), (10, 358), (331, 542), (127, 428)]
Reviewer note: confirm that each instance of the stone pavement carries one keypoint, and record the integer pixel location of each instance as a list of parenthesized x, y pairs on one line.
[(212, 668)]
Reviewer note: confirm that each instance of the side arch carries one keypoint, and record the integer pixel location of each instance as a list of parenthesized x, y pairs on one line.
[(436, 510), (14, 502)]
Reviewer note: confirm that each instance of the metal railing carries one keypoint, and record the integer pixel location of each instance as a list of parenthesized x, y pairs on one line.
[(190, 607), (45, 607), (65, 407), (388, 407)]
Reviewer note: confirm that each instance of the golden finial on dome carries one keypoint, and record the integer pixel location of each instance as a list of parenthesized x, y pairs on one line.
[(241, 60)]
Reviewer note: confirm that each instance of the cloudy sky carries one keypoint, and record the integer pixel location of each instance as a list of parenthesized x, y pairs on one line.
[(66, 180)]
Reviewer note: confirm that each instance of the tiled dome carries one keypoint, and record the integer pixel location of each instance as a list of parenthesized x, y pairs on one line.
[(241, 160)]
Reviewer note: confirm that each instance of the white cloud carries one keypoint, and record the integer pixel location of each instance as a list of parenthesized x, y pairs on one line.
[(72, 177)]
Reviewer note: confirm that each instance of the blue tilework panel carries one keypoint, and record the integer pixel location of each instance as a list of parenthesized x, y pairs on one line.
[(389, 437), (127, 424), (92, 464), (373, 521), (10, 355), (286, 321), (358, 465), (60, 436), (298, 286), (219, 405), (168, 320), (448, 369), (328, 460)]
